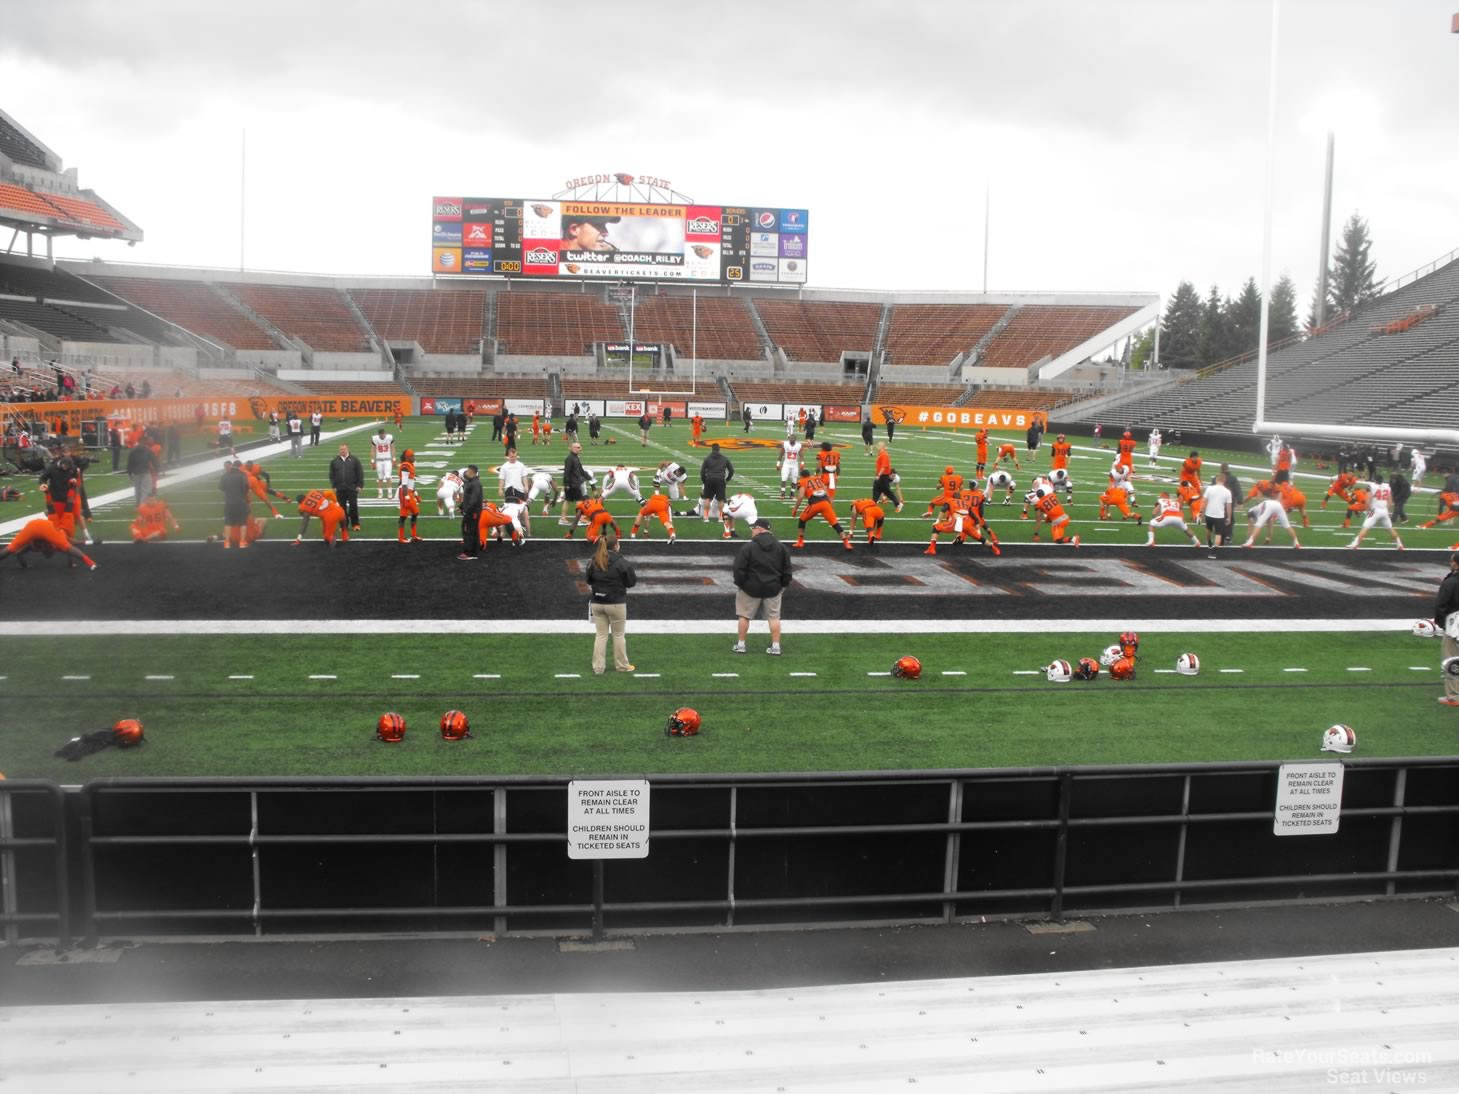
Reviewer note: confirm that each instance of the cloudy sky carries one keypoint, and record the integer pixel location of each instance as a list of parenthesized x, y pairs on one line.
[(1123, 140)]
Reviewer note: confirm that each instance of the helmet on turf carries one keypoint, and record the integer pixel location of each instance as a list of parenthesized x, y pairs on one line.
[(684, 722), (390, 727), (1450, 666), (1109, 655), (1059, 672), (1130, 643), (128, 732), (1087, 669), (1339, 738), (454, 726), (1424, 628), (1188, 664), (1123, 669), (907, 668)]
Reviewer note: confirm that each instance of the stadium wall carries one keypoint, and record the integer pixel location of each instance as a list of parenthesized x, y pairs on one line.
[(455, 364), (522, 364), (334, 361)]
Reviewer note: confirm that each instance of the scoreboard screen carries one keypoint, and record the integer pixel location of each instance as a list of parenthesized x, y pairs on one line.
[(722, 244)]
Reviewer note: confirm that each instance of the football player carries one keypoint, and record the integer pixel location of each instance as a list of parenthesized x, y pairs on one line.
[(153, 520), (1039, 487), (1169, 514), (1126, 446), (1379, 504), (1293, 501), (407, 498), (621, 480), (1122, 497), (873, 519), (1119, 474), (949, 485), (1059, 479), (541, 484), (1154, 445), (816, 495), (1060, 452), (324, 505), (738, 507), (964, 519), (1008, 452), (1052, 513), (1341, 487), (448, 494), (494, 518), (655, 505), (672, 477), (382, 448), (261, 486), (598, 520), (1358, 507), (1448, 510), (828, 464), (1000, 479), (1189, 495), (788, 460), (981, 437), (43, 535), (1267, 509), (1190, 471)]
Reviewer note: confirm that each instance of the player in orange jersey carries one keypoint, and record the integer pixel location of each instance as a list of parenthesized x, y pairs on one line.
[(408, 498), (547, 430), (1127, 449), (322, 504), (1169, 514), (816, 495), (1008, 452), (964, 519), (1448, 510), (598, 519), (1121, 499), (1293, 501), (828, 464), (873, 519), (1341, 487), (536, 426), (655, 505), (1052, 514), (1060, 452), (493, 517), (949, 485), (1192, 496), (981, 437), (1190, 471), (154, 519), (696, 430), (43, 536), (1358, 507), (261, 487), (399, 418)]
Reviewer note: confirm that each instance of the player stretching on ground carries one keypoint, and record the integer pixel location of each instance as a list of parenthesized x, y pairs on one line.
[(42, 535), (1448, 510), (153, 520), (1008, 452), (739, 507), (1267, 509), (322, 504), (598, 520), (963, 519), (382, 447), (873, 519), (816, 495), (620, 480), (1169, 514), (655, 505), (1052, 513), (1000, 479), (1122, 497), (448, 494), (493, 518)]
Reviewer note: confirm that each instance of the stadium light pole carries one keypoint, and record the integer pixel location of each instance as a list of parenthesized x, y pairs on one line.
[(1260, 424)]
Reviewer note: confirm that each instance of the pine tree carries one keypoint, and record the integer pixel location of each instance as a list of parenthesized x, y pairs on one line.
[(1244, 318), (1215, 329), (1142, 347), (1350, 280), (1282, 313), (1180, 329)]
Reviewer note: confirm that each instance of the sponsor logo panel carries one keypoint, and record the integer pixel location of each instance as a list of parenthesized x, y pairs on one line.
[(476, 234), (765, 243), (446, 260), (582, 408), (540, 257), (476, 261), (701, 260), (541, 220), (765, 220), (446, 209), (792, 269), (949, 417), (793, 220), (445, 233), (703, 223), (843, 413), (764, 269), (792, 246), (706, 410)]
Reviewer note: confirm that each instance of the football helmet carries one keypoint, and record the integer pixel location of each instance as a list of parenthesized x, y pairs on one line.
[(907, 668), (1188, 664), (1339, 738), (684, 722), (1109, 655), (1123, 669), (1087, 669), (1059, 672), (454, 726), (390, 727), (1058, 476), (128, 732), (1450, 666), (1130, 643), (1424, 628)]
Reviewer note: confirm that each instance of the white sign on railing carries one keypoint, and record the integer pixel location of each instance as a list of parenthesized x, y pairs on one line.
[(1309, 799), (607, 818)]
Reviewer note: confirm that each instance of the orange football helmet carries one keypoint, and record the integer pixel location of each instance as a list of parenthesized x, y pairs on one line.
[(455, 726), (1087, 669), (128, 732), (390, 727), (1123, 669), (1129, 644), (907, 668), (684, 722)]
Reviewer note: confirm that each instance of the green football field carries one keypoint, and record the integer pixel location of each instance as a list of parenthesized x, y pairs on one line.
[(919, 457), (273, 705)]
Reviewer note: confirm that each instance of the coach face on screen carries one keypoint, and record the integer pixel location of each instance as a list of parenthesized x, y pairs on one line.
[(587, 234)]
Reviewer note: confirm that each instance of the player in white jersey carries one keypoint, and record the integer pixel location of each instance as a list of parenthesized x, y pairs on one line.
[(738, 507), (1040, 487), (672, 477), (521, 521), (382, 448), (448, 494), (512, 477), (1380, 504), (788, 460), (1418, 464), (621, 480), (1168, 515), (1267, 509), (1154, 443), (541, 484), (789, 427), (999, 480), (1118, 473), (1059, 479)]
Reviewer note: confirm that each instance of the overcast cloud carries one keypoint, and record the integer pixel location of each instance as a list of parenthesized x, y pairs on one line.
[(1124, 142)]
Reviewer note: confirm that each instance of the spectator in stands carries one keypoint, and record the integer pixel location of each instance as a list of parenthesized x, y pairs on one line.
[(174, 445), (146, 389), (868, 431), (131, 390), (115, 392), (347, 477), (610, 578), (645, 422), (595, 426), (15, 365), (114, 439), (497, 421), (316, 421)]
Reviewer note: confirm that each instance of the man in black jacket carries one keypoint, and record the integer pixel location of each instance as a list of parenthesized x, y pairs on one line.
[(347, 478), (115, 439), (868, 431), (234, 485), (762, 574), (1234, 485), (141, 469), (1445, 605), (714, 473), (575, 480), (1402, 491), (497, 420), (471, 502)]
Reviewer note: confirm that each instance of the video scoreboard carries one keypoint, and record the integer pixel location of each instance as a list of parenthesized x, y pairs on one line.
[(721, 244)]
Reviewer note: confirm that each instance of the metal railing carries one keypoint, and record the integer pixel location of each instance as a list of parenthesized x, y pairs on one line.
[(12, 918)]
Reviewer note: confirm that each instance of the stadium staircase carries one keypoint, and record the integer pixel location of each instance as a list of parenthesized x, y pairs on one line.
[(282, 340), (873, 375), (488, 338), (554, 385), (883, 325), (731, 400), (377, 343), (767, 344), (975, 354)]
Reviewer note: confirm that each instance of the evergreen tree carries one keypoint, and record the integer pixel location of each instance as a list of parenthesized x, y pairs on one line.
[(1282, 314), (1215, 329), (1350, 279), (1180, 329), (1310, 323), (1142, 348), (1243, 317)]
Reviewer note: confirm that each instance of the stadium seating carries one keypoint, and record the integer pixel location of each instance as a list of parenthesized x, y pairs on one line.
[(1021, 399), (54, 321), (933, 334), (920, 394), (169, 385), (1047, 330), (442, 322), (352, 387), (560, 324), (20, 148), (819, 330), (486, 387), (757, 391), (85, 212), (191, 304), (725, 329), (317, 317), (618, 389), (23, 201)]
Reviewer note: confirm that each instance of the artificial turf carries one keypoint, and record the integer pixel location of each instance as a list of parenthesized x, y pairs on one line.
[(527, 719)]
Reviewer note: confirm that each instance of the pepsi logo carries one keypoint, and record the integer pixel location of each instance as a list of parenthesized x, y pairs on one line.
[(448, 208), (703, 226), (765, 220), (540, 256)]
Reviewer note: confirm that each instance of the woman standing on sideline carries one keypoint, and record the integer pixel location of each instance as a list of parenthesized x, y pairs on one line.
[(610, 578)]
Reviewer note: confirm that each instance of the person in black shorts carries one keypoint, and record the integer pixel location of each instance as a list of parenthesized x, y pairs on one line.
[(450, 427)]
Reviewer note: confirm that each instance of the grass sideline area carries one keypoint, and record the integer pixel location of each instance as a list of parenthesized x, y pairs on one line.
[(919, 456), (271, 705)]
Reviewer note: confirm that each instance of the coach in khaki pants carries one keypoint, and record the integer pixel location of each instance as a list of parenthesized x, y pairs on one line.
[(762, 573), (610, 578), (1446, 618)]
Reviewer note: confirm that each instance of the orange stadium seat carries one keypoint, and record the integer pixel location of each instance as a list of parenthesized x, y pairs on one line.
[(485, 387), (724, 327), (819, 330), (554, 323), (933, 334), (22, 200), (318, 317), (85, 212), (758, 391), (1046, 330), (191, 304), (441, 321)]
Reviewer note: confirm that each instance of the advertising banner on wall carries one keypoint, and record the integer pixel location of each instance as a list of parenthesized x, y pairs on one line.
[(762, 411), (951, 417), (527, 406), (843, 413), (435, 404), (790, 412), (707, 410), (237, 409), (583, 407)]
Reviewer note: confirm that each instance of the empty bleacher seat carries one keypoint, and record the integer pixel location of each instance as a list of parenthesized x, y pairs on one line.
[(819, 330), (318, 317), (933, 334), (1040, 331), (441, 321), (716, 327), (193, 305), (563, 324)]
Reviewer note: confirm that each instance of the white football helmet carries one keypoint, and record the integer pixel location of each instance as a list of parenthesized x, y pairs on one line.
[(1058, 476), (1110, 655), (1059, 672), (1424, 628), (1339, 738), (1450, 666), (1188, 664)]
